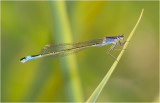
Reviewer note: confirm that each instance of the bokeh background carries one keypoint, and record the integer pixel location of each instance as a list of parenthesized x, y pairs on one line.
[(26, 26)]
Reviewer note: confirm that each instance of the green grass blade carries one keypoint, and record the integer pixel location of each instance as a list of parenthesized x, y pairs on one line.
[(100, 87), (62, 34)]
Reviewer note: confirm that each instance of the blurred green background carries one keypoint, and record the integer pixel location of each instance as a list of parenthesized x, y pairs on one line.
[(27, 26)]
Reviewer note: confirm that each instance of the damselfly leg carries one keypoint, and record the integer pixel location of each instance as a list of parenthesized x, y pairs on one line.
[(113, 48)]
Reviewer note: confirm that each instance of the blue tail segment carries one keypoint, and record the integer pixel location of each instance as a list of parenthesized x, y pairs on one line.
[(24, 59)]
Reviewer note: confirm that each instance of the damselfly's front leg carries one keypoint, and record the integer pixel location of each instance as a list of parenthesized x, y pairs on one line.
[(121, 44), (113, 48)]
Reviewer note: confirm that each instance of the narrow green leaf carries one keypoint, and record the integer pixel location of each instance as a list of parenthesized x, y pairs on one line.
[(62, 34), (101, 85)]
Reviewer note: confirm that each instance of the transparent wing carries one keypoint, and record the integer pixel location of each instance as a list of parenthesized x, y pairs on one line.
[(68, 48)]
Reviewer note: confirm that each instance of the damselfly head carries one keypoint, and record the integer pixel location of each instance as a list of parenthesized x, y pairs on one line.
[(120, 36)]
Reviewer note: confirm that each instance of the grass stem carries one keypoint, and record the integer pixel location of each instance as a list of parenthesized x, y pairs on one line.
[(101, 85)]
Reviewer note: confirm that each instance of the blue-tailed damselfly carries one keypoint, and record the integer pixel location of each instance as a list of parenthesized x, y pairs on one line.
[(69, 48)]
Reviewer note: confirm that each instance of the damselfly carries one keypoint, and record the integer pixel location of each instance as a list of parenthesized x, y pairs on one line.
[(69, 48)]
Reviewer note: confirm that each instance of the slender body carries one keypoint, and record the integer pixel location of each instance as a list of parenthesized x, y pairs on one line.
[(69, 48)]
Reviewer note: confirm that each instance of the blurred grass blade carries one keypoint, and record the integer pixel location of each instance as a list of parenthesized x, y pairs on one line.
[(99, 88), (62, 34)]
